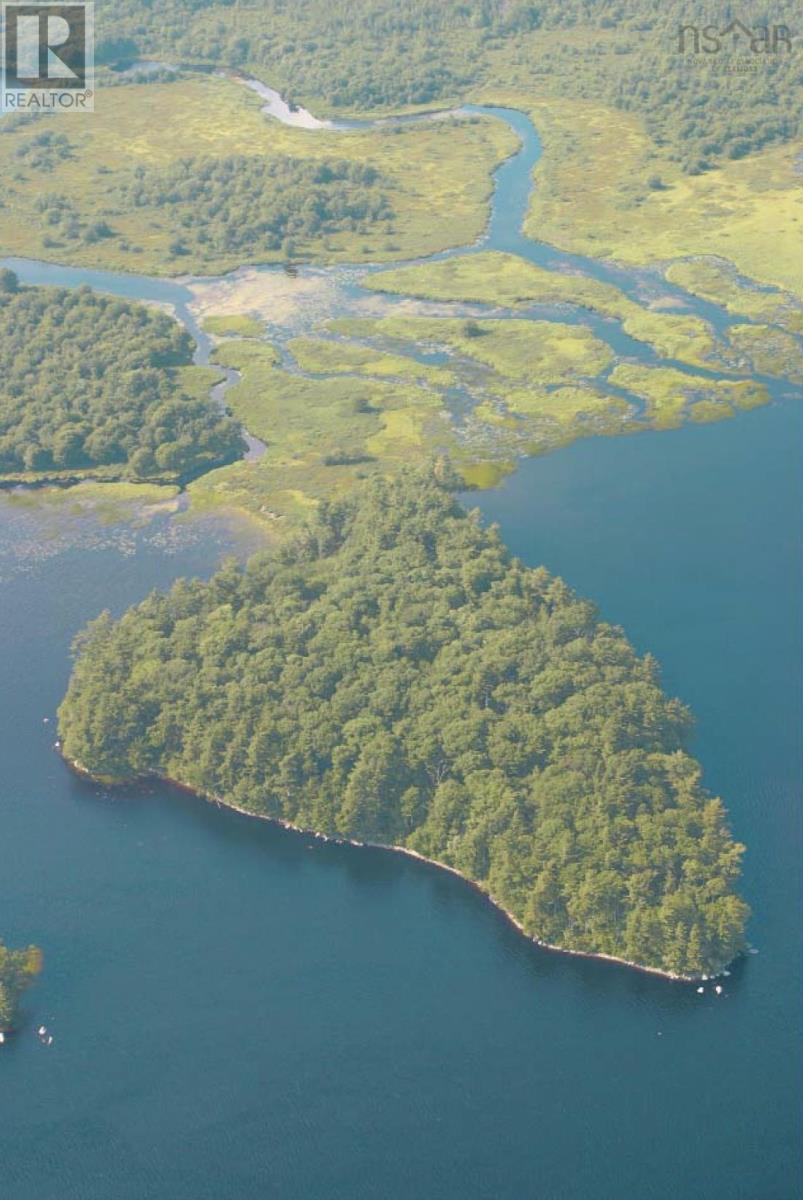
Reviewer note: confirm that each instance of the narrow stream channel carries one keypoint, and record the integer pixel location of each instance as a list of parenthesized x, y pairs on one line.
[(240, 1012)]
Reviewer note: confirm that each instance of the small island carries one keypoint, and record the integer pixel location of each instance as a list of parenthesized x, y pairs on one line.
[(395, 677), (18, 969)]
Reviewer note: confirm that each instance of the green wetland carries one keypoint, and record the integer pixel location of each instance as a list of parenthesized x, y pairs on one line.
[(371, 1025)]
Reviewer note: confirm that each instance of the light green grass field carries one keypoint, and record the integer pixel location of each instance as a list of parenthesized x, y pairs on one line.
[(669, 394), (539, 351), (322, 435), (715, 280), (769, 351), (503, 279), (595, 196), (237, 325), (326, 356), (495, 277), (438, 176)]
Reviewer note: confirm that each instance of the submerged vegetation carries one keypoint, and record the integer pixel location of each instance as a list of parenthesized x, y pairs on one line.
[(18, 969), (102, 386), (394, 676)]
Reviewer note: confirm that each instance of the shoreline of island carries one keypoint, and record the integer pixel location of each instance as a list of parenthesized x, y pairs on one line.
[(219, 802)]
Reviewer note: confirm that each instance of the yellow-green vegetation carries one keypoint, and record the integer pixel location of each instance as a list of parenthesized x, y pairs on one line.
[(92, 491), (532, 384), (670, 395), (676, 335), (365, 412), (606, 189), (703, 412), (438, 176), (196, 381), (525, 380), (382, 55), (769, 351), (327, 356), (539, 351), (716, 281), (59, 477), (298, 417), (486, 474), (322, 435), (493, 277), (259, 357), (570, 407), (236, 325)]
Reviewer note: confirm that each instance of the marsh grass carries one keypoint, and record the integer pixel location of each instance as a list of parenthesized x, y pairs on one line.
[(439, 175)]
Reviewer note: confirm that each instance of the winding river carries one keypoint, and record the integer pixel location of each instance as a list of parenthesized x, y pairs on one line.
[(240, 1012)]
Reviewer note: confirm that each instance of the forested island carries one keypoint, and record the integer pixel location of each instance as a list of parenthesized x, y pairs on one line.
[(18, 969), (394, 676), (89, 383)]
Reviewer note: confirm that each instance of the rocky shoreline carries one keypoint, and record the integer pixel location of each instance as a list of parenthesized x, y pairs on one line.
[(79, 769)]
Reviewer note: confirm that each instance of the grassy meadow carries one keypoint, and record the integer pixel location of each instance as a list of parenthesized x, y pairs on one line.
[(494, 277), (716, 281), (437, 176), (358, 401), (607, 190)]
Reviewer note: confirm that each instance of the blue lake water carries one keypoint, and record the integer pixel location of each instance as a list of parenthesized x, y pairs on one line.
[(241, 1012)]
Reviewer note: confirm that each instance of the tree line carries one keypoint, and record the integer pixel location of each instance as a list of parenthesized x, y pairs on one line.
[(89, 381), (395, 676), (251, 204), (377, 54)]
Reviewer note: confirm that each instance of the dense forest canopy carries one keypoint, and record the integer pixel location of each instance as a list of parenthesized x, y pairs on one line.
[(18, 969), (395, 676), (252, 205), (87, 381), (378, 53)]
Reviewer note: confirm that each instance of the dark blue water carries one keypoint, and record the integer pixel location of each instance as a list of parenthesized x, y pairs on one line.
[(242, 1013), (693, 541)]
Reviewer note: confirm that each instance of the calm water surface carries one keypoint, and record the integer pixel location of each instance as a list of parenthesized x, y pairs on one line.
[(241, 1013)]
